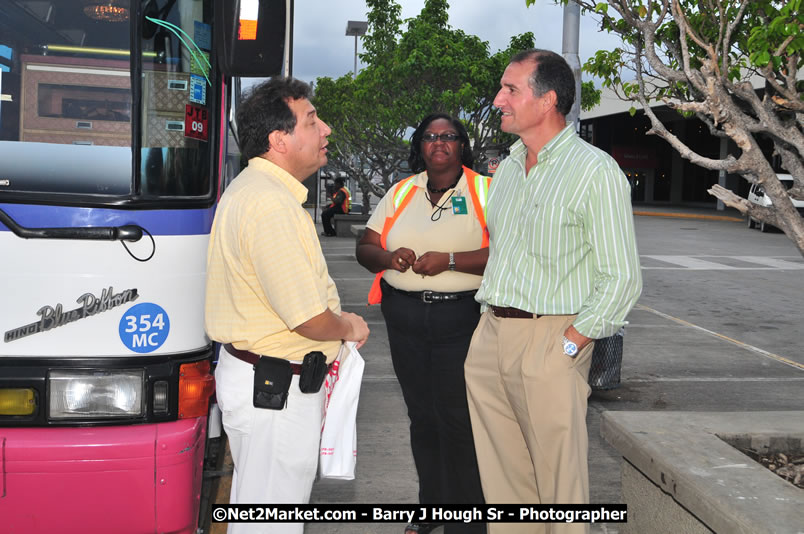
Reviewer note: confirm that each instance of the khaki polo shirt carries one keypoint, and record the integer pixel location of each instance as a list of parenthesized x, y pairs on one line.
[(266, 273), (416, 230)]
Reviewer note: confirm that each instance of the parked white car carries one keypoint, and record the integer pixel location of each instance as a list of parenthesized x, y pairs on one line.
[(757, 195)]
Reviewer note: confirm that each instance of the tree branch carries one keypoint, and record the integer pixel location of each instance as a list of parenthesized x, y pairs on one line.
[(657, 128), (768, 120), (790, 98), (794, 166), (779, 51), (648, 33), (694, 78)]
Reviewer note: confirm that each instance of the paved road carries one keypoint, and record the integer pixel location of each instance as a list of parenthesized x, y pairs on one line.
[(717, 329)]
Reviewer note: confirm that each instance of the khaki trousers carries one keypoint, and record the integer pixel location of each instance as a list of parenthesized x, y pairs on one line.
[(527, 402)]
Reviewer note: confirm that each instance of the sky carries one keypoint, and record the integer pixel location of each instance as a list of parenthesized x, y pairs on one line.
[(321, 47)]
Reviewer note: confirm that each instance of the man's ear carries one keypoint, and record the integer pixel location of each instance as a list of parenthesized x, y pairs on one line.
[(551, 99), (276, 141)]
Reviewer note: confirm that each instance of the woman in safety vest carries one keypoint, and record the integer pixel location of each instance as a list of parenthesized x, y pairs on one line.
[(428, 242)]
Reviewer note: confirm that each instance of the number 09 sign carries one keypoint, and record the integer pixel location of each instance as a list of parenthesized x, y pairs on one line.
[(196, 122)]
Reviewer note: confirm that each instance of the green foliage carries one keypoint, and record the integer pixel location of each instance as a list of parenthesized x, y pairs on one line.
[(384, 22), (607, 66), (703, 59), (767, 33), (424, 68), (590, 96), (782, 36)]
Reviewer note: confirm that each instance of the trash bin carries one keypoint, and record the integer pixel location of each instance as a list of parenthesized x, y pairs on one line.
[(607, 359)]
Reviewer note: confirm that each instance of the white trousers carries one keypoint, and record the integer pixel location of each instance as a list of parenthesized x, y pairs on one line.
[(275, 452)]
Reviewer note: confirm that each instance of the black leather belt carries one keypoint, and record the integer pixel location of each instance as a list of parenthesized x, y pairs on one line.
[(252, 358), (512, 313), (429, 297)]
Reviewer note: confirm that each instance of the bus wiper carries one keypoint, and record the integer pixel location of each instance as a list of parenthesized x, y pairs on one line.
[(128, 232)]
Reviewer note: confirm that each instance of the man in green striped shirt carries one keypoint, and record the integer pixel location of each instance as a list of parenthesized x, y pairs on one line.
[(563, 270)]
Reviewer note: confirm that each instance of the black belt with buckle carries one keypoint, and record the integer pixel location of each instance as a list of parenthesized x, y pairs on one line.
[(512, 313), (429, 297)]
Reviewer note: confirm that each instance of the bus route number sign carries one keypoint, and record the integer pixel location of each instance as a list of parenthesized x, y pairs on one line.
[(196, 122), (144, 327)]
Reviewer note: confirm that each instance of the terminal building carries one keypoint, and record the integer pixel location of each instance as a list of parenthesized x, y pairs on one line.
[(657, 172)]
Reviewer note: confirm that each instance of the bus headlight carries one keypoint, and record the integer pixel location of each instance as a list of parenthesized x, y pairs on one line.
[(89, 394)]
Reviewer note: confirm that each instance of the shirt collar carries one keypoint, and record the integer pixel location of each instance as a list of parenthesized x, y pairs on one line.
[(421, 179), (296, 188), (558, 143), (554, 146), (518, 151)]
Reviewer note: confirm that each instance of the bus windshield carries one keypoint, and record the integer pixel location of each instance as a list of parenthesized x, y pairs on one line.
[(73, 119)]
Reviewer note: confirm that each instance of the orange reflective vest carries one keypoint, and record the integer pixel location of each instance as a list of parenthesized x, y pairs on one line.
[(404, 192), (347, 202)]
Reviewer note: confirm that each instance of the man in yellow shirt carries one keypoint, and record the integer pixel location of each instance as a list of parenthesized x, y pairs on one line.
[(269, 294)]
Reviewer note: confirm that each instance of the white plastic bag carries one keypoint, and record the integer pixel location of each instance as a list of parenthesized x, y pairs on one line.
[(339, 433)]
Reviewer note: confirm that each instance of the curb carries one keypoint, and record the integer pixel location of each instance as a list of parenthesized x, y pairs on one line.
[(688, 216)]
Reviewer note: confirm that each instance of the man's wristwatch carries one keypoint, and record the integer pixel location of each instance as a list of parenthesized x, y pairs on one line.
[(570, 348), (451, 261)]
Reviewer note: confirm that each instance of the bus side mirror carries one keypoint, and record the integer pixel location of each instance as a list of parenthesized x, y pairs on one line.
[(249, 47)]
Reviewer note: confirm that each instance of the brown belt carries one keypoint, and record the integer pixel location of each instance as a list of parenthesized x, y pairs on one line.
[(512, 313), (252, 358)]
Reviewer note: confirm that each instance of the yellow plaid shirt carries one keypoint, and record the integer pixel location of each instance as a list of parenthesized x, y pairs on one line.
[(266, 273)]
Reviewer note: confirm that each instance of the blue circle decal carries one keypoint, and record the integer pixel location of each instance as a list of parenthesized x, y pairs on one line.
[(144, 327)]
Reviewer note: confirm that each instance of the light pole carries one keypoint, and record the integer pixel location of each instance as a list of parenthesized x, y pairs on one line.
[(569, 49), (357, 28)]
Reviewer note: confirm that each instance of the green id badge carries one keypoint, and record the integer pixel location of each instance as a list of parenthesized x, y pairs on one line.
[(459, 205)]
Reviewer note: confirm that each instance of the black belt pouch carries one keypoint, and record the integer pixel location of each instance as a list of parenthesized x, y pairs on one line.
[(314, 370), (272, 378)]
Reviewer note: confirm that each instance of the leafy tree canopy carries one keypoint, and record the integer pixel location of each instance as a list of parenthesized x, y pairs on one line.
[(413, 68), (734, 64)]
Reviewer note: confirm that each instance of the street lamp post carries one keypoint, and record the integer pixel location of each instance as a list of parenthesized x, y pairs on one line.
[(569, 49), (357, 28)]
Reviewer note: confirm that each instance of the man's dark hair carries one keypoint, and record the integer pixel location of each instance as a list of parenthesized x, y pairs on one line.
[(265, 110), (551, 72), (339, 182), (415, 159)]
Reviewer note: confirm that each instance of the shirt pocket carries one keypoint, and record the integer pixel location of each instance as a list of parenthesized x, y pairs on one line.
[(549, 231)]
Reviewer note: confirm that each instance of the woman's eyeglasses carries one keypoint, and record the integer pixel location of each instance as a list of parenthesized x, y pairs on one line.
[(446, 137)]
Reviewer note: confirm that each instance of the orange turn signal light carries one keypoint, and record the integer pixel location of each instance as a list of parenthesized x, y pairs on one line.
[(196, 385)]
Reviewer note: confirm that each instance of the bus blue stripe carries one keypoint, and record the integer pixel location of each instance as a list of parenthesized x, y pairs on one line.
[(157, 222)]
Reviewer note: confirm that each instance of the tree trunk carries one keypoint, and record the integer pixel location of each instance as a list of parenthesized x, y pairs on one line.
[(786, 218), (365, 190)]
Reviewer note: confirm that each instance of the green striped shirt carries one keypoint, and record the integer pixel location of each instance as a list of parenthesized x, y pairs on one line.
[(562, 236)]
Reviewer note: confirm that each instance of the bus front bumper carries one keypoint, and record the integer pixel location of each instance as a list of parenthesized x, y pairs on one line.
[(123, 479)]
